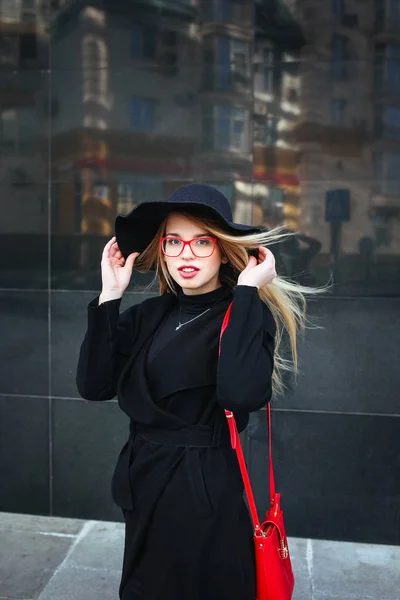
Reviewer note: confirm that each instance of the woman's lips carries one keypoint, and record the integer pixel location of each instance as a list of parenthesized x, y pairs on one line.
[(188, 275)]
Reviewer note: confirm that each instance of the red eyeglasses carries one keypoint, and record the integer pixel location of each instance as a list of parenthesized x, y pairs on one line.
[(201, 247)]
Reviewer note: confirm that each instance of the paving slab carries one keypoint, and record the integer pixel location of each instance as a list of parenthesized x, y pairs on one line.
[(303, 589), (73, 583), (39, 523), (28, 560), (100, 548), (356, 571), (46, 558)]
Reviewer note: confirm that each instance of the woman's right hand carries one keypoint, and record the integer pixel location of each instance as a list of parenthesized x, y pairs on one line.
[(116, 272)]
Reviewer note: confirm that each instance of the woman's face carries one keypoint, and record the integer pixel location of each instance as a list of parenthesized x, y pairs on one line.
[(207, 277)]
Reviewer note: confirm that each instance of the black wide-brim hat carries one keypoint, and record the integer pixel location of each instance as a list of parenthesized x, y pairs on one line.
[(135, 231)]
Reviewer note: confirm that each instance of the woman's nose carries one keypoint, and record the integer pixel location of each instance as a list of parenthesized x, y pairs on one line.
[(187, 251)]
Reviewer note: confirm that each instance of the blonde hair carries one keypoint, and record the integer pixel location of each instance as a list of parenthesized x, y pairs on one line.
[(285, 298)]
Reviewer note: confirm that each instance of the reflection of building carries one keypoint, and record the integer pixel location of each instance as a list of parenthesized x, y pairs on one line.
[(278, 41), (350, 116), (156, 97), (24, 107), (224, 155), (126, 124)]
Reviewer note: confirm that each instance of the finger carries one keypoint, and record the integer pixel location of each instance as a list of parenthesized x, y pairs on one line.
[(113, 250), (252, 261), (107, 247), (267, 254), (130, 260)]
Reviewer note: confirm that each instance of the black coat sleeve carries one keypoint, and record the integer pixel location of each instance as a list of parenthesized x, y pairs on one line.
[(245, 366), (105, 349)]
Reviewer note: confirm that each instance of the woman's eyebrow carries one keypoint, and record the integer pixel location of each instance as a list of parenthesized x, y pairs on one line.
[(178, 235)]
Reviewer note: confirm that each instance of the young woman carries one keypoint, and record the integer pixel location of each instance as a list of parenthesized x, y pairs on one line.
[(177, 480)]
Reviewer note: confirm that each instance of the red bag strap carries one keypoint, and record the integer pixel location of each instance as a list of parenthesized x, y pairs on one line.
[(236, 445)]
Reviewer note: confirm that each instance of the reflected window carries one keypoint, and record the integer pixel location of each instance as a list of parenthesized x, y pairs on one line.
[(392, 69), (339, 56), (143, 114), (125, 198), (9, 128), (143, 42), (26, 124), (268, 72), (232, 63), (337, 111), (28, 48), (28, 11), (265, 130), (338, 7), (273, 205), (387, 169), (225, 188), (132, 190), (9, 50), (218, 10), (10, 11), (225, 127), (383, 233), (392, 122), (393, 10), (95, 70), (230, 127), (17, 128)]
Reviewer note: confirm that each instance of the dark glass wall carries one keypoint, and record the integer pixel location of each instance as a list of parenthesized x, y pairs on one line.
[(292, 110)]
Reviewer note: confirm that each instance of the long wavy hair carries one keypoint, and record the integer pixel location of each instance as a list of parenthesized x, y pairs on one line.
[(286, 299)]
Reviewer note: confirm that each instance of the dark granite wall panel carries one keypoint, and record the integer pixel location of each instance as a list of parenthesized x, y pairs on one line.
[(24, 350), (336, 473), (87, 438), (24, 454), (349, 364)]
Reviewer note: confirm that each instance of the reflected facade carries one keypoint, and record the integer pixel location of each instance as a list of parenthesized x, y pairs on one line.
[(291, 109)]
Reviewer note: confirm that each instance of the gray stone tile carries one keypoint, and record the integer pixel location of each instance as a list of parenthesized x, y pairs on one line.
[(349, 571), (28, 560), (101, 548), (37, 523), (301, 571), (343, 596), (82, 584)]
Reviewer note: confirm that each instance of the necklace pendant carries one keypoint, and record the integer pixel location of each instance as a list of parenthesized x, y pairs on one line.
[(179, 326)]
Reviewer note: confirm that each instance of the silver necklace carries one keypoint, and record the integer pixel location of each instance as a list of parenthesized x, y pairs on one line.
[(181, 324)]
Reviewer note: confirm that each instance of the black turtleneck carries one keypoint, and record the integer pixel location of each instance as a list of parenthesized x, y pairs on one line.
[(196, 303), (188, 307)]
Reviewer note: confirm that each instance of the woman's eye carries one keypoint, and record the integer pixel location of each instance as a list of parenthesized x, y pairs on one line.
[(173, 241), (203, 242)]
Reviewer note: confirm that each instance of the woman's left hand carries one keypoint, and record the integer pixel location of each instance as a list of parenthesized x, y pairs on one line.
[(259, 272)]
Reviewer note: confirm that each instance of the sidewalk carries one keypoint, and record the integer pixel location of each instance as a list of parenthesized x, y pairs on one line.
[(46, 558)]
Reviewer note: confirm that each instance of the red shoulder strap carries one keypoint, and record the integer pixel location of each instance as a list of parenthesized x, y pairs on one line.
[(236, 445)]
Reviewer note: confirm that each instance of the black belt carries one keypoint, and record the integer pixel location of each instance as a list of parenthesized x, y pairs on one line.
[(190, 436)]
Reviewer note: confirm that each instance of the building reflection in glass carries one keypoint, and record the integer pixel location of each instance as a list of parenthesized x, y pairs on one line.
[(287, 107)]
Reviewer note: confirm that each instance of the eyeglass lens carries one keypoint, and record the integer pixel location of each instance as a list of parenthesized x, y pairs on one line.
[(201, 247)]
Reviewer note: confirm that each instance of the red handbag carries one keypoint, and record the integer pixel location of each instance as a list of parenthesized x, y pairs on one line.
[(274, 575)]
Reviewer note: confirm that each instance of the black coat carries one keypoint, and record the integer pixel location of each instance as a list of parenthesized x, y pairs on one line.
[(189, 534)]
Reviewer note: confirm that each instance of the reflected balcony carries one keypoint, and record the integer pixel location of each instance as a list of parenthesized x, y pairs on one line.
[(387, 22), (219, 15), (226, 81), (385, 208), (184, 9)]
